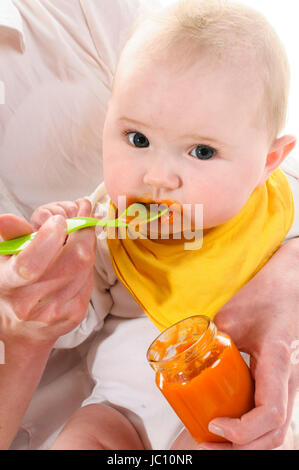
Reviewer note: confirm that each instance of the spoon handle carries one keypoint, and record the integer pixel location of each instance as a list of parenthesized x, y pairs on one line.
[(14, 246), (76, 223)]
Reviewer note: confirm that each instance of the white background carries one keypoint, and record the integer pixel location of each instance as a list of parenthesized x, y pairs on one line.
[(284, 17)]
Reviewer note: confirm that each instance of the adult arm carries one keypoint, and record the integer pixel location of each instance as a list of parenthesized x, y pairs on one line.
[(263, 320), (44, 293)]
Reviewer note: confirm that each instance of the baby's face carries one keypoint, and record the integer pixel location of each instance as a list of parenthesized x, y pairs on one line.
[(184, 137)]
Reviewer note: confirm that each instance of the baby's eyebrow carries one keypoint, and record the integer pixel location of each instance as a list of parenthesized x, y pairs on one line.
[(202, 138), (133, 121)]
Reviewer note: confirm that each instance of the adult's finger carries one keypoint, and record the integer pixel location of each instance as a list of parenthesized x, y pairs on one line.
[(81, 244), (271, 440), (70, 208), (29, 265), (271, 399), (62, 277), (268, 441), (83, 210), (64, 318), (42, 214), (84, 207), (71, 261), (78, 254), (12, 226), (47, 294)]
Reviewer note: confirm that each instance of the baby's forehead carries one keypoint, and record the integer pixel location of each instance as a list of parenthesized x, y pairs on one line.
[(212, 98), (146, 48), (175, 66)]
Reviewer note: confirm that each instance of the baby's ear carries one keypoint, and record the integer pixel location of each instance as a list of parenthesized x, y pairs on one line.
[(278, 152)]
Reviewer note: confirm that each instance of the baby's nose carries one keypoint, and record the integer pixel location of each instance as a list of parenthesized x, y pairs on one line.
[(161, 176)]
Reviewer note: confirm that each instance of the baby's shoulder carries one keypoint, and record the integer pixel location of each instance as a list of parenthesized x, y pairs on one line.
[(99, 201)]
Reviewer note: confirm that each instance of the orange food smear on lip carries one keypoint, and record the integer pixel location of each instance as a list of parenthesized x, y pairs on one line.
[(147, 202)]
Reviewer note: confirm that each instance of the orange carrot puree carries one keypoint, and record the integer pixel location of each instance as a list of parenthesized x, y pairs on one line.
[(221, 386)]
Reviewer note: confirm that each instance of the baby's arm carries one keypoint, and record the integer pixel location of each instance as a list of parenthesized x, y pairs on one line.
[(98, 427)]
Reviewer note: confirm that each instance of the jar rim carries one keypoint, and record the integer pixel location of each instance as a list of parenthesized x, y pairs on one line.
[(177, 355)]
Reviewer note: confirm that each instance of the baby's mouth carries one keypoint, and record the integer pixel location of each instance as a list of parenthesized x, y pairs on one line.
[(155, 207)]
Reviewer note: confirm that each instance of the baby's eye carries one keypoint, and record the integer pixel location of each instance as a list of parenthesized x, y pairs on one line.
[(138, 140), (203, 152)]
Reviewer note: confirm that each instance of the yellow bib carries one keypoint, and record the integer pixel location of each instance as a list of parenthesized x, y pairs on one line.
[(170, 283)]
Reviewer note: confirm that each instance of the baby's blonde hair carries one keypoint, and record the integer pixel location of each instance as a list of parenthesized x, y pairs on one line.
[(227, 31)]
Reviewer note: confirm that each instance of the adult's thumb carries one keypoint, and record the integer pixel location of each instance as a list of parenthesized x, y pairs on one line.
[(12, 226)]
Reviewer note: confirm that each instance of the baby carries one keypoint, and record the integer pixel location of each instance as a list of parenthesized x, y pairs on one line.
[(199, 100)]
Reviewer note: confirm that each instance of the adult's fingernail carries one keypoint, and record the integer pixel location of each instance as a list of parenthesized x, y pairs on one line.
[(26, 274), (216, 430), (59, 220)]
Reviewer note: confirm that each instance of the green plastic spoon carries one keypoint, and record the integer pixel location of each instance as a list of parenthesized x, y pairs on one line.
[(15, 245)]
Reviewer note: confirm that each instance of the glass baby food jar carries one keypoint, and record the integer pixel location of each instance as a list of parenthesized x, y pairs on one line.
[(202, 374)]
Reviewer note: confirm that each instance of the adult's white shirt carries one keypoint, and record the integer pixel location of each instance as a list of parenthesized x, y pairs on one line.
[(57, 59)]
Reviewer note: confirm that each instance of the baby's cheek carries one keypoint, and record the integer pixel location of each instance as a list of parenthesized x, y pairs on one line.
[(119, 182), (111, 185), (222, 206), (112, 173)]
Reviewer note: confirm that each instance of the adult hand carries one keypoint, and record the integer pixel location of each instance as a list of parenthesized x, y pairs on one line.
[(262, 319), (44, 293), (45, 289)]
